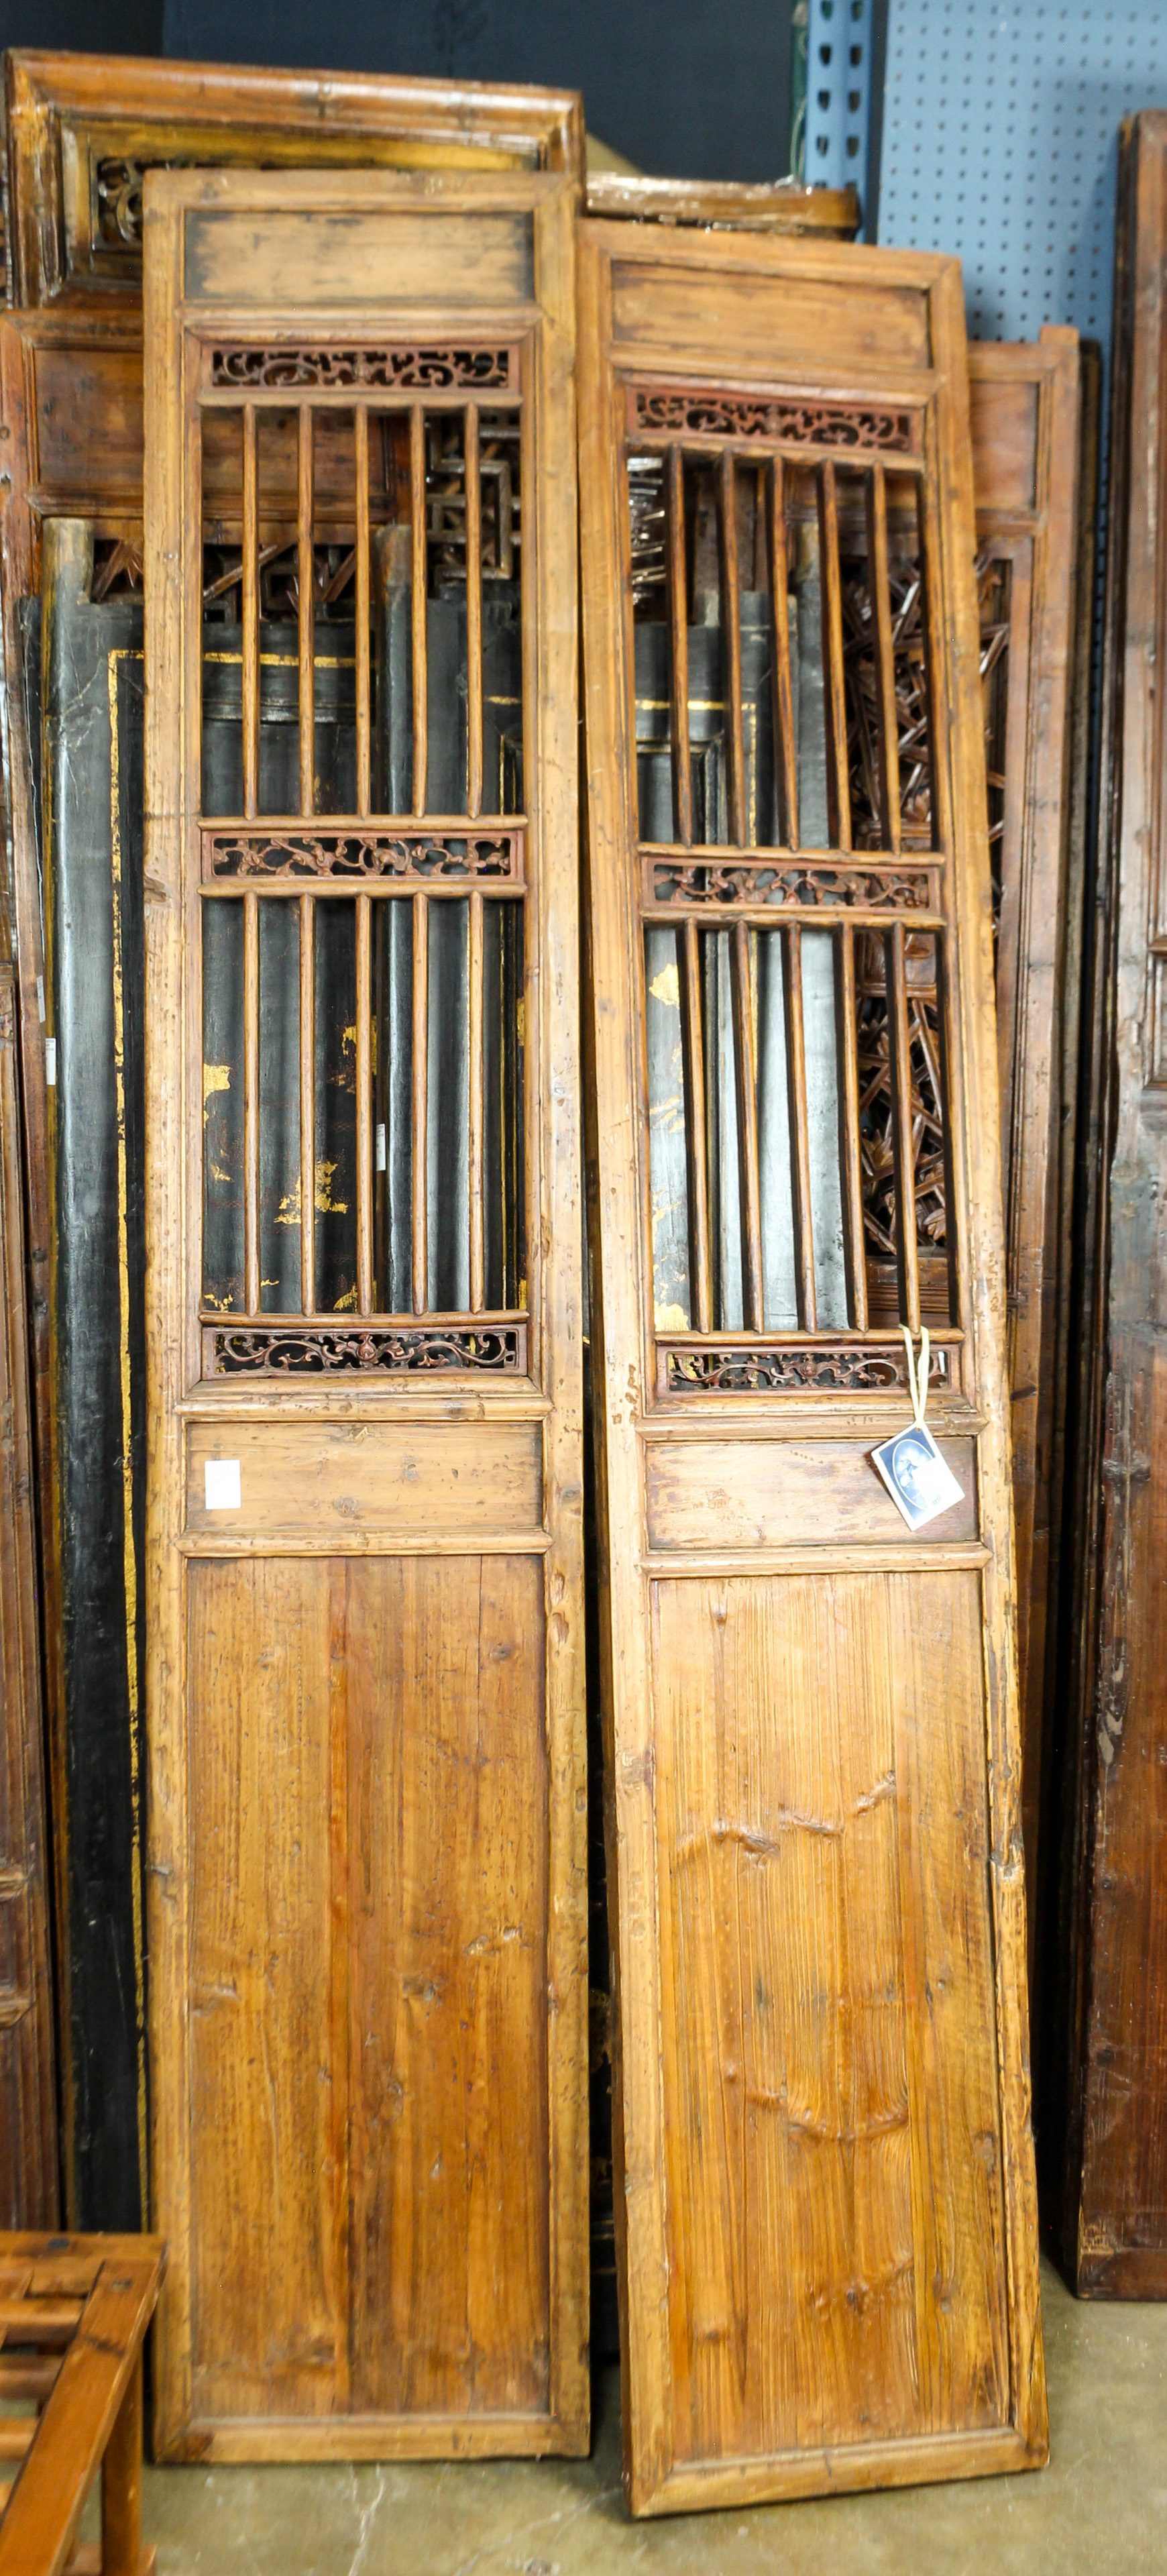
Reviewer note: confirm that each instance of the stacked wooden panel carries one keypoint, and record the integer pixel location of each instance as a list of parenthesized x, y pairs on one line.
[(1108, 2135), (81, 132), (825, 2210)]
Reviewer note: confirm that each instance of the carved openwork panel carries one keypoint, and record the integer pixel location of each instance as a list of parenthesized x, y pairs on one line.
[(785, 737), (760, 1368), (363, 965), (699, 412)]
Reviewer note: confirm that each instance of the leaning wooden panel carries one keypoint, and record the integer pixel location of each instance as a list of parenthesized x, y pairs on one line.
[(826, 2222), (780, 206), (365, 1706), (81, 132), (1026, 404), (1109, 2133), (83, 129)]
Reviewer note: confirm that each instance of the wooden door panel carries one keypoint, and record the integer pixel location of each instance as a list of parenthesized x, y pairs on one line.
[(833, 2141), (1033, 426), (824, 2194), (447, 1799), (364, 1352), (268, 2291)]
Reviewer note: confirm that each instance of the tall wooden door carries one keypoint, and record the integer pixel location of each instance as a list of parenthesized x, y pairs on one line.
[(80, 131), (825, 2205), (364, 1686)]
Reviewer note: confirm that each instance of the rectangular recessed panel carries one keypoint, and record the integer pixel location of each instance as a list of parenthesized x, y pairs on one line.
[(759, 323), (317, 258), (265, 2053), (383, 1476), (776, 1493), (447, 1805), (836, 2250)]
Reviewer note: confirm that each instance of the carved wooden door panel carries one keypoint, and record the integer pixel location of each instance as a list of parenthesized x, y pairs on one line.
[(367, 1930), (825, 2210)]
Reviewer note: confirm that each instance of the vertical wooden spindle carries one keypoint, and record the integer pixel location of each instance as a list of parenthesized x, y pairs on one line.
[(885, 680), (838, 775), (679, 626), (850, 1149), (693, 1045), (732, 647), (900, 1050), (799, 1133), (121, 2484), (785, 769), (251, 1103), (473, 615), (474, 1160), (742, 1004), (305, 505), (420, 653), (307, 1104), (421, 1019), (364, 1106), (250, 588), (361, 588), (932, 622)]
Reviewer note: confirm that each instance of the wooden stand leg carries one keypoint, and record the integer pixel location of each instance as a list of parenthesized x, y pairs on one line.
[(121, 2485)]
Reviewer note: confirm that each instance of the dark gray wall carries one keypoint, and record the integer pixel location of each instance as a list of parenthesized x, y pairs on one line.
[(84, 26), (681, 87)]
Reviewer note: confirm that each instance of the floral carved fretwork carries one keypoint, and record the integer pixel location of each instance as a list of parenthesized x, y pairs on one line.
[(693, 411), (374, 854), (119, 203), (728, 882), (302, 1351), (418, 370), (782, 1368)]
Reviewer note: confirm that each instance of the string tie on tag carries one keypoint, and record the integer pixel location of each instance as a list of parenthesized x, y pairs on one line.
[(917, 1374)]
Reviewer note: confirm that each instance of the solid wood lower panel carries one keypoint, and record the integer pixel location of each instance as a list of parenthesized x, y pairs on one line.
[(368, 2028), (834, 2190)]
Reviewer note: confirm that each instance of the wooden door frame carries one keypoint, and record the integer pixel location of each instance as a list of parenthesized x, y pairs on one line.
[(552, 1398), (623, 1377)]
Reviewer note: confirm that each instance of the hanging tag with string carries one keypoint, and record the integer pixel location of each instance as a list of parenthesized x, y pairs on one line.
[(919, 1480)]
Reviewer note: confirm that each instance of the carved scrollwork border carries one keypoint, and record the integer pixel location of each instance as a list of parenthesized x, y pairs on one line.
[(309, 1351), (493, 856), (719, 882), (778, 1368), (699, 411), (430, 369)]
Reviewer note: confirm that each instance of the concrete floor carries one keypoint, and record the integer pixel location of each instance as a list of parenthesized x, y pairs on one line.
[(1101, 2504)]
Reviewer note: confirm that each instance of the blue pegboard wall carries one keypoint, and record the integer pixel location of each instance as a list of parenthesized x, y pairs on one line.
[(1000, 133)]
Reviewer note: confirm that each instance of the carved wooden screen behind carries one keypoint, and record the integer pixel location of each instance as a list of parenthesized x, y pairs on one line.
[(825, 2214), (364, 1674), (1031, 443)]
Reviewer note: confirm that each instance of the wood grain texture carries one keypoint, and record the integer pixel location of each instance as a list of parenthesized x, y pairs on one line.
[(391, 1624), (822, 1953), (1026, 417), (825, 2214), (1108, 2159)]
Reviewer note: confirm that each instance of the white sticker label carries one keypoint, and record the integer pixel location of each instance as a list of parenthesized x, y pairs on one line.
[(40, 998), (222, 1476), (380, 1146), (51, 1063)]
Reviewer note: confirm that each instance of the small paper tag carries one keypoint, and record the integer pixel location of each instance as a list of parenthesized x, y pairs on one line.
[(380, 1144), (51, 1064), (222, 1476), (920, 1482), (40, 999)]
